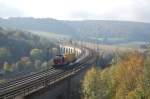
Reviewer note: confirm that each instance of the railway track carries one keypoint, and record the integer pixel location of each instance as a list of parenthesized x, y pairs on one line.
[(31, 83)]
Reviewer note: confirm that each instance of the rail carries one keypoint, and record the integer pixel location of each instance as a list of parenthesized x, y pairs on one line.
[(34, 82)]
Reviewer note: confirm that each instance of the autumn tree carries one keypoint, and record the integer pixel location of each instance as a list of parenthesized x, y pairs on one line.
[(121, 81), (37, 64), (147, 75), (129, 72), (90, 84), (4, 54), (94, 85), (36, 54), (7, 67)]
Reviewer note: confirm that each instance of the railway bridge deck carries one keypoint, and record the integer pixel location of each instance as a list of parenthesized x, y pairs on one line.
[(48, 84)]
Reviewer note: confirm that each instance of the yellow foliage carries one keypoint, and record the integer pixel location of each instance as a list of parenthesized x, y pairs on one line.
[(129, 71), (89, 85), (122, 81), (132, 95)]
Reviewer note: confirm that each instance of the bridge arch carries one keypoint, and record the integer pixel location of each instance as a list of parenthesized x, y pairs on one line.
[(69, 49)]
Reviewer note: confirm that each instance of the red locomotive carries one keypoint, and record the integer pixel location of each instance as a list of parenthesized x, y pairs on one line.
[(63, 60)]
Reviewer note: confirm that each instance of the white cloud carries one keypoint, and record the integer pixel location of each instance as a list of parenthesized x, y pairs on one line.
[(6, 11), (134, 10)]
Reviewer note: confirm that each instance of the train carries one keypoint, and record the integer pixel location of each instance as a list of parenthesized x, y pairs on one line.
[(63, 60)]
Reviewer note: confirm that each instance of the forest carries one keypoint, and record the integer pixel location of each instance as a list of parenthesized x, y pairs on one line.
[(128, 78), (21, 53)]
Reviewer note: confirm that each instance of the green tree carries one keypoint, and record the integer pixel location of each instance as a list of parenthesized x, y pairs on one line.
[(36, 54), (20, 65), (7, 67), (37, 64), (44, 65), (94, 86), (4, 54)]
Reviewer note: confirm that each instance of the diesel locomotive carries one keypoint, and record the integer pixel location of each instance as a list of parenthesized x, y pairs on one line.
[(63, 60)]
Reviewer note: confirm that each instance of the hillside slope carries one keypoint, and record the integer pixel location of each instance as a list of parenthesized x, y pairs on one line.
[(47, 25), (20, 43), (131, 31), (101, 28)]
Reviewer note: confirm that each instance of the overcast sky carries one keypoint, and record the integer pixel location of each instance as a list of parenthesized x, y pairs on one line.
[(131, 10)]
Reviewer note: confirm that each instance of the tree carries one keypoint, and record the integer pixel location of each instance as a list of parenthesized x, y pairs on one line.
[(89, 84), (147, 75), (36, 54), (129, 74), (44, 65), (94, 86), (4, 54), (54, 52), (37, 64), (7, 67), (124, 80)]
